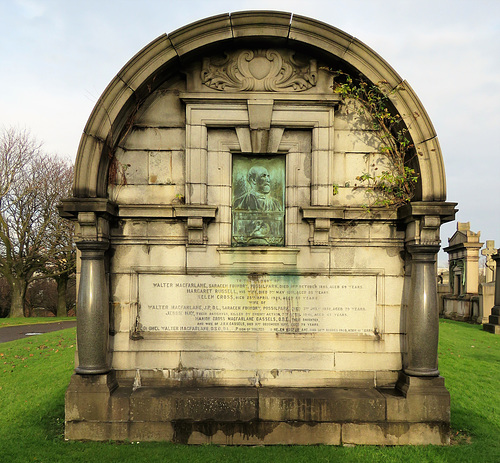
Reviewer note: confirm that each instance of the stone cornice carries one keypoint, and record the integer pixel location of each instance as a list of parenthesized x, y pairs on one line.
[(69, 208), (323, 99), (445, 210), (343, 213)]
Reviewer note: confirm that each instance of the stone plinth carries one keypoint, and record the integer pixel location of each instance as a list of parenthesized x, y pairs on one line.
[(415, 413)]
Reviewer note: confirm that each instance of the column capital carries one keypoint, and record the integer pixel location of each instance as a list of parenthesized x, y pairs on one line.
[(70, 208), (415, 209), (423, 252), (423, 220), (92, 245)]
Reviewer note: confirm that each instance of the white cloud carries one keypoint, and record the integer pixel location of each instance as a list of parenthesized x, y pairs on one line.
[(31, 8)]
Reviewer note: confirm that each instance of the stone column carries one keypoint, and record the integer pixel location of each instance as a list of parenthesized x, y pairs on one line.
[(93, 310), (422, 320), (423, 220)]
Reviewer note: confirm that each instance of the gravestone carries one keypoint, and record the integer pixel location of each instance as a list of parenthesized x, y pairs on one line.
[(487, 289), (493, 325), (489, 251), (233, 288), (463, 258)]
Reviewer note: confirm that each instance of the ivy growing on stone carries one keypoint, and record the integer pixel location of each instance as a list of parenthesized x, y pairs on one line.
[(395, 185)]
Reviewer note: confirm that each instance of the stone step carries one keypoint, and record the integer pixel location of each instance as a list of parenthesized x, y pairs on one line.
[(491, 328), (494, 319), (495, 310)]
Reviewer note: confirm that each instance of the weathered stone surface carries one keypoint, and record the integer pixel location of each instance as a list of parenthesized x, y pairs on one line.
[(419, 407), (204, 404), (255, 416), (164, 109), (88, 399), (262, 433), (404, 433), (322, 405), (97, 430)]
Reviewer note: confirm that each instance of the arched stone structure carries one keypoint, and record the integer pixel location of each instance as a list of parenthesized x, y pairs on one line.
[(153, 63), (155, 197)]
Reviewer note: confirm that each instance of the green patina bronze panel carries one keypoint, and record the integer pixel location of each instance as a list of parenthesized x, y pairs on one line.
[(258, 201)]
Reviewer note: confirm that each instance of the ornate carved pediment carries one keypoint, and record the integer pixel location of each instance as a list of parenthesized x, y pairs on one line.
[(259, 70)]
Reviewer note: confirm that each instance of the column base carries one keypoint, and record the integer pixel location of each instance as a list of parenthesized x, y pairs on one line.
[(409, 384), (423, 372), (97, 370)]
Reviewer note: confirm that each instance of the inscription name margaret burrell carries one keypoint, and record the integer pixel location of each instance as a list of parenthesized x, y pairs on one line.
[(291, 304)]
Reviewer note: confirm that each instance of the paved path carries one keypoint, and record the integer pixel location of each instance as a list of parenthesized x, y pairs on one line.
[(11, 333)]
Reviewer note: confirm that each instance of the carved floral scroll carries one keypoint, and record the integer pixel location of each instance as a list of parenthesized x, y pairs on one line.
[(259, 70)]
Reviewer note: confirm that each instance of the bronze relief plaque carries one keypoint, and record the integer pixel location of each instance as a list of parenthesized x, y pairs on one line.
[(258, 200)]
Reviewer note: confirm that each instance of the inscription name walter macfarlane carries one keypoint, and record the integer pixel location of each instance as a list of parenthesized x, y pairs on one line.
[(240, 303)]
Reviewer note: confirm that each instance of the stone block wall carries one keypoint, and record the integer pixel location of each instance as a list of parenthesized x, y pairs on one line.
[(166, 162)]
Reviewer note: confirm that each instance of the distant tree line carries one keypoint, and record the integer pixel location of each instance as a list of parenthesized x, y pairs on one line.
[(37, 252)]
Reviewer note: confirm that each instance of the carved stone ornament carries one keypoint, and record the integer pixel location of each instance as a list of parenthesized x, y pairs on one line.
[(259, 70)]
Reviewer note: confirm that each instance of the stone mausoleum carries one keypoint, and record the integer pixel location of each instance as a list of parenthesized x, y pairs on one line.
[(233, 288)]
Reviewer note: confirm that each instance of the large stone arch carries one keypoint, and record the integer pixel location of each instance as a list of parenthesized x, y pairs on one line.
[(150, 66)]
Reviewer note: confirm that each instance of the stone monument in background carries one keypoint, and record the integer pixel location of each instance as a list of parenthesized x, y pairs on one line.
[(493, 325), (488, 252), (233, 288), (487, 289), (463, 258)]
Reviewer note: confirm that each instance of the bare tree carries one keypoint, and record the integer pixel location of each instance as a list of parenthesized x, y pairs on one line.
[(31, 185), (61, 264), (4, 297)]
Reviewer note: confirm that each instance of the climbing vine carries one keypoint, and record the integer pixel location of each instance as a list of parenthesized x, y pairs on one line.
[(395, 185)]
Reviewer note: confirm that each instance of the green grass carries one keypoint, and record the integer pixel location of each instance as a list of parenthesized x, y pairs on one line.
[(32, 320), (34, 374)]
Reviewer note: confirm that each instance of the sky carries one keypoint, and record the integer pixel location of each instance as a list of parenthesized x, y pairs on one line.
[(57, 57)]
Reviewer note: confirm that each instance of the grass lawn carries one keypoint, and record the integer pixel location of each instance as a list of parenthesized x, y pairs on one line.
[(32, 320), (35, 372)]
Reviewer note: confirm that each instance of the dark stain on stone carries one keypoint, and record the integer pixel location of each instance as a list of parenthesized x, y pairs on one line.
[(183, 429)]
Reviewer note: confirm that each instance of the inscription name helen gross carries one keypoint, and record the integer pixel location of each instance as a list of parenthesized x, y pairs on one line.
[(267, 303)]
